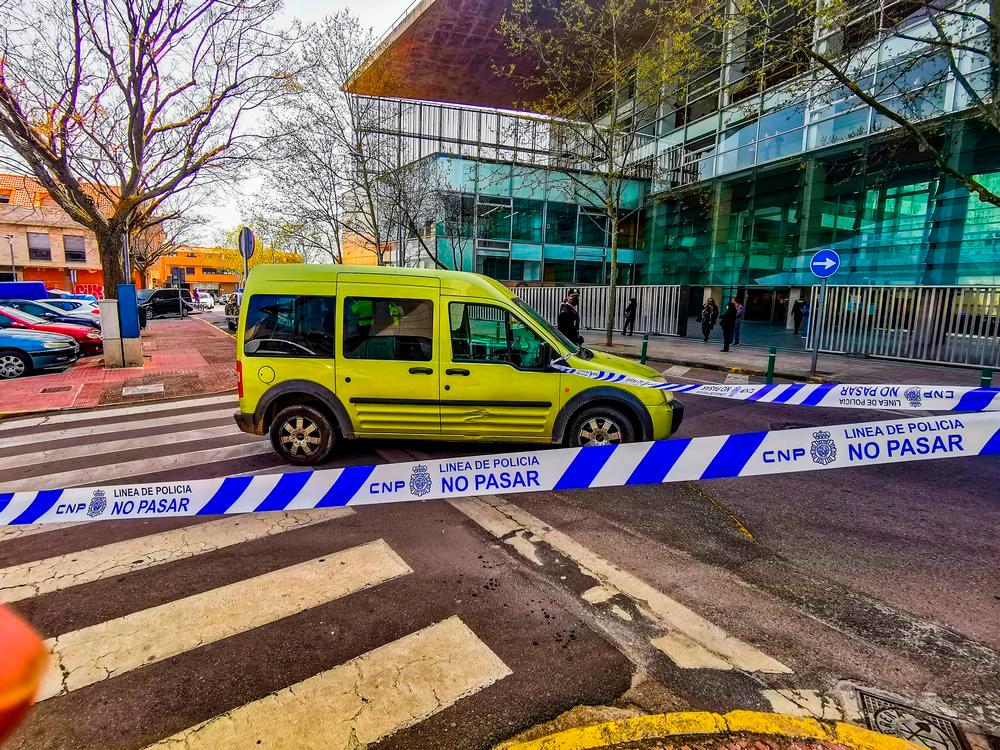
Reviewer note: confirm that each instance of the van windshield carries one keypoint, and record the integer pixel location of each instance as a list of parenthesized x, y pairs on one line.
[(545, 325)]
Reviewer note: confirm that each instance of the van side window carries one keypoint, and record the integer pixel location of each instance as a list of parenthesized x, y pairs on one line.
[(380, 328), (289, 326), (487, 333)]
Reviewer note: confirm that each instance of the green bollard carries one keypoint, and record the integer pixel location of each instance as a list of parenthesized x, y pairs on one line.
[(645, 346), (986, 378), (772, 355)]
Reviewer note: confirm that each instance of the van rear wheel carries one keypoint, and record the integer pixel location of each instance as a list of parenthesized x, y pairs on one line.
[(302, 435), (599, 425)]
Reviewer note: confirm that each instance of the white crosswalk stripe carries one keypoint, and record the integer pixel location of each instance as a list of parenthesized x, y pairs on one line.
[(81, 415)]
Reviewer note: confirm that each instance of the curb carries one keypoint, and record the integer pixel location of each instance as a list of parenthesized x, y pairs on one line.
[(797, 377), (689, 723)]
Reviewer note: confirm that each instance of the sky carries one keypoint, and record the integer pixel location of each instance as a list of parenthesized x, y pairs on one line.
[(378, 14)]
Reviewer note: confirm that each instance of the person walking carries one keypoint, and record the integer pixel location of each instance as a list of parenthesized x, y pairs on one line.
[(728, 323), (739, 322), (568, 322), (630, 312), (798, 313), (709, 317)]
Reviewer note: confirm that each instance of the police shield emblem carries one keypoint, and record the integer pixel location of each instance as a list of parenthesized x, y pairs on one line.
[(823, 450), (97, 505), (913, 396), (420, 481)]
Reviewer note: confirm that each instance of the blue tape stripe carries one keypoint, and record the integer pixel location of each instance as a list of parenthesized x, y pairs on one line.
[(5, 498), (686, 388), (762, 392), (658, 461), (976, 400), (41, 505), (585, 467), (231, 490), (286, 490), (351, 479), (992, 447), (733, 455), (786, 395), (817, 395)]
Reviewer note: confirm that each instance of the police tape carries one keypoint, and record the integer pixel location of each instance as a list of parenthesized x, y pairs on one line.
[(678, 460), (906, 397)]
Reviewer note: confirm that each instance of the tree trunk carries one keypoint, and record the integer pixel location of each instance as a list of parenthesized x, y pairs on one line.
[(111, 248), (613, 285)]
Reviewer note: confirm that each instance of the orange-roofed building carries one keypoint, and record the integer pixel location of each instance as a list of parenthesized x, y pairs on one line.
[(39, 242)]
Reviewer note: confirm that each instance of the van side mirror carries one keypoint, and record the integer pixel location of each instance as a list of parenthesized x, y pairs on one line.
[(545, 354)]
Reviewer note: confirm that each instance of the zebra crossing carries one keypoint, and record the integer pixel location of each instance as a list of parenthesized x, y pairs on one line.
[(405, 627)]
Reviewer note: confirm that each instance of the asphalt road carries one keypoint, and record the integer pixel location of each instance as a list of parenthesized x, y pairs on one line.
[(457, 625)]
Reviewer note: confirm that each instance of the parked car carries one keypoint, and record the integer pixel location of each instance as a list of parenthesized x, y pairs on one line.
[(45, 311), (88, 339), (163, 302), (24, 352), (69, 295), (74, 306), (204, 299), (233, 309)]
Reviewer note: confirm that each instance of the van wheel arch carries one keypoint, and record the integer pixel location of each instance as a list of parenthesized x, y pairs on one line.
[(614, 398), (302, 392)]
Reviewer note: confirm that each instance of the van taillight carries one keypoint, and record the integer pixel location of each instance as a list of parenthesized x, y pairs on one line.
[(239, 378)]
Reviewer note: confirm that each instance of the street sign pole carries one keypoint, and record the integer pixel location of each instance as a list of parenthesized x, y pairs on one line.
[(247, 244), (816, 328), (823, 264)]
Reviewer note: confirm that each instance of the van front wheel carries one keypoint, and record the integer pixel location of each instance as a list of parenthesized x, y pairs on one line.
[(302, 435), (599, 425)]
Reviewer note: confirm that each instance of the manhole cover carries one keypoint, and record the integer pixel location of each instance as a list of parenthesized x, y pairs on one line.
[(58, 389), (930, 730)]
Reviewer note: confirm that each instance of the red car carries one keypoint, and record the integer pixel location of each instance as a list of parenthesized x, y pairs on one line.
[(88, 338)]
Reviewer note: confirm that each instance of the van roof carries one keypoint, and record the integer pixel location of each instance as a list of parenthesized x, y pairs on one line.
[(460, 282)]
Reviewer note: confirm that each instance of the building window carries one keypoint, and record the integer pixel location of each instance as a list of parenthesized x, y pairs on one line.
[(560, 224), (5, 196), (38, 246), (286, 326), (75, 250), (527, 223), (491, 335), (388, 329), (43, 200), (190, 271)]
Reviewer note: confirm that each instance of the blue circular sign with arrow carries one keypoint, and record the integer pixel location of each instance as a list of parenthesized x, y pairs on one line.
[(824, 263)]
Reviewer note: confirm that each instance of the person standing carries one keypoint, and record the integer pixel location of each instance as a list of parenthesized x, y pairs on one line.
[(630, 312), (568, 322), (728, 323), (739, 322), (798, 313), (709, 317)]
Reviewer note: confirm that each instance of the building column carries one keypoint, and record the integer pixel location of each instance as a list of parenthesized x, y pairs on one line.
[(722, 220), (813, 193), (951, 203)]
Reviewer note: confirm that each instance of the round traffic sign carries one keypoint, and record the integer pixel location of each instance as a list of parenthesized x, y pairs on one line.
[(247, 242), (824, 263)]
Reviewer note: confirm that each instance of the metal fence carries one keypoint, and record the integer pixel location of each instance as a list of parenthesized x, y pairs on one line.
[(658, 306), (940, 324)]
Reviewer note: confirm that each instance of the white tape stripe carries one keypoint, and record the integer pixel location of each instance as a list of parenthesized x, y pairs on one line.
[(620, 466)]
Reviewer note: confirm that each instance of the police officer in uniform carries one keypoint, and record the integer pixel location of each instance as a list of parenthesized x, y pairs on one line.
[(569, 317)]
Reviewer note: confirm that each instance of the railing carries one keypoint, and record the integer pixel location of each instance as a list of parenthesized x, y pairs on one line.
[(658, 306), (940, 324)]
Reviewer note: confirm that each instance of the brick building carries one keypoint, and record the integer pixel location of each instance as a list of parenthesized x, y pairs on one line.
[(204, 268), (39, 242)]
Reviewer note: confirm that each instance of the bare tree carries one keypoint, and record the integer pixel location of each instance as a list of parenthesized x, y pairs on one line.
[(597, 69), (115, 105), (162, 239)]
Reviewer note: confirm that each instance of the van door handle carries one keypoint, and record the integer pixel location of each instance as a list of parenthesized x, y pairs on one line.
[(421, 371), (457, 371)]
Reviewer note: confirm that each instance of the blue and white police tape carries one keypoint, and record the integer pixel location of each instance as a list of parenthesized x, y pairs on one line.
[(678, 460), (906, 397)]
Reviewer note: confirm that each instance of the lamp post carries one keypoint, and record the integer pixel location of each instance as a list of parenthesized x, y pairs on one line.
[(10, 244)]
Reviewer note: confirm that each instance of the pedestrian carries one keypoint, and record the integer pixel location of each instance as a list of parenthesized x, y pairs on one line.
[(798, 313), (739, 322), (569, 317), (630, 312), (708, 317), (728, 323)]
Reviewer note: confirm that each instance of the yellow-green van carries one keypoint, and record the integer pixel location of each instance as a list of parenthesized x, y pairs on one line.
[(328, 353)]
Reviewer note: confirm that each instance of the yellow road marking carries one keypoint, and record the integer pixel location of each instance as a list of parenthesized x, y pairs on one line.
[(360, 702), (96, 653), (74, 568)]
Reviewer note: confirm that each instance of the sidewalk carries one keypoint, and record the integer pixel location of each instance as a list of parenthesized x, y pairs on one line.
[(790, 365), (182, 358)]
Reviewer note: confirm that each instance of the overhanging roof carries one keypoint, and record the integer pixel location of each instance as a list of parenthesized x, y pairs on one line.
[(443, 51)]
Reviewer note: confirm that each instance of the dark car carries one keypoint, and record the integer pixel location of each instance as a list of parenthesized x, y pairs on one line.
[(161, 302), (24, 352), (52, 313)]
